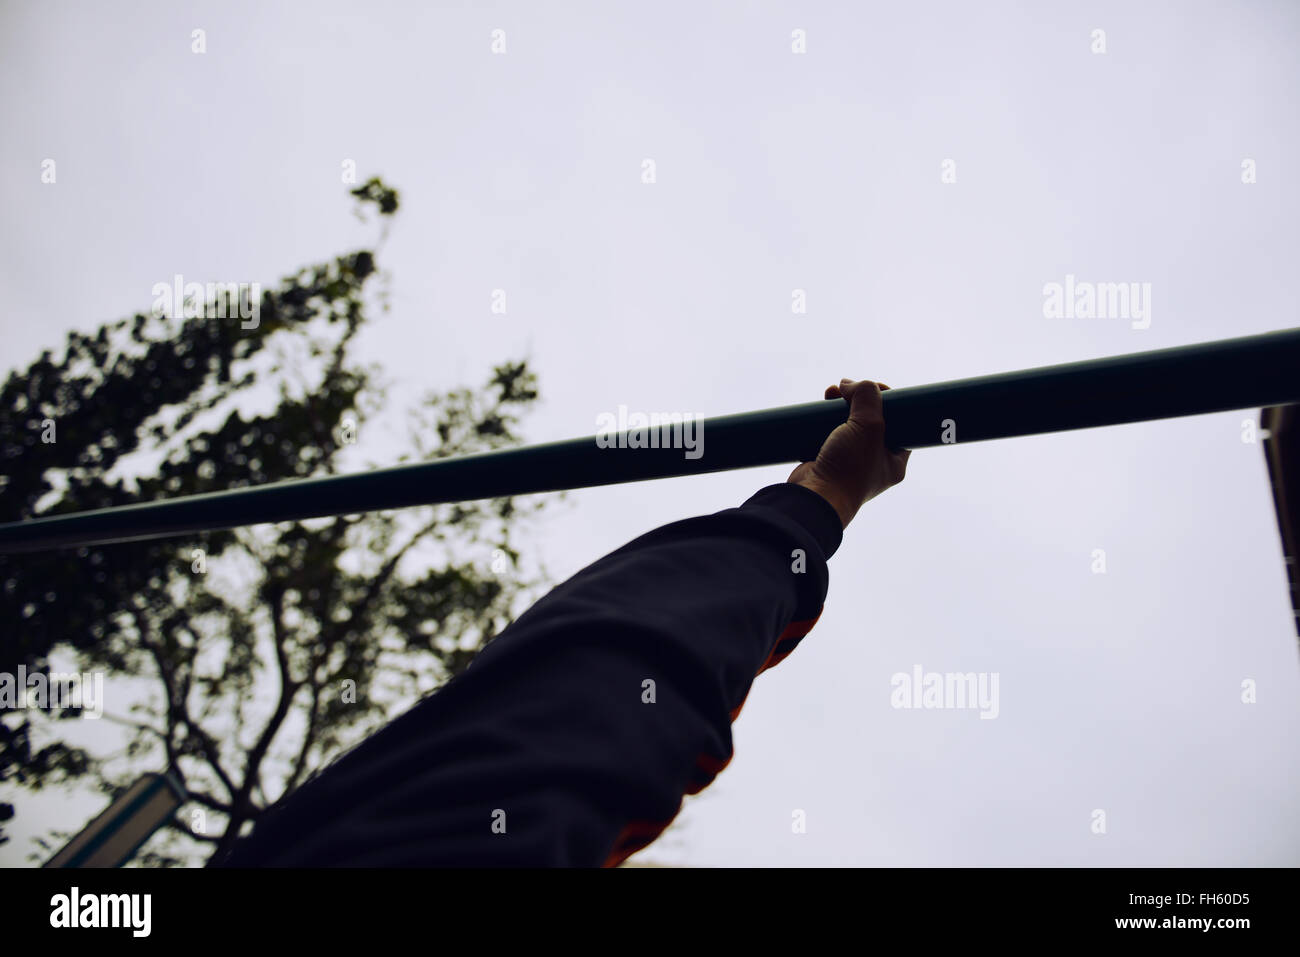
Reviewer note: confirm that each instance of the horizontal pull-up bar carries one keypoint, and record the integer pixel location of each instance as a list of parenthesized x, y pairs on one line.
[(1239, 373)]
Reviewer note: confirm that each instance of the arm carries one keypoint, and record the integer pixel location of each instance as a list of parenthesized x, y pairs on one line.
[(572, 737)]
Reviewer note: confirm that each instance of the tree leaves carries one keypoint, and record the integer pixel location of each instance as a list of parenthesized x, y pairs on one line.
[(293, 640)]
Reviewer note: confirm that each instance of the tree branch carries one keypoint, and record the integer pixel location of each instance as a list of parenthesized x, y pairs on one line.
[(176, 825), (242, 809)]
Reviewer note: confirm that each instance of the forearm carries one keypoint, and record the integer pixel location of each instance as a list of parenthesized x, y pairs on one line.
[(573, 736)]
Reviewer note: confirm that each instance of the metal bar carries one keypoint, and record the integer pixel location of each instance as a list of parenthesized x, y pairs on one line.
[(1248, 372), (115, 834)]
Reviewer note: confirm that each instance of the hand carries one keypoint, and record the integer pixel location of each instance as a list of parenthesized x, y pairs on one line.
[(853, 465)]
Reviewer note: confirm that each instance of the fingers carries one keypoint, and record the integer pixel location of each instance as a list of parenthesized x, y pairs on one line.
[(833, 391), (865, 405), (854, 465)]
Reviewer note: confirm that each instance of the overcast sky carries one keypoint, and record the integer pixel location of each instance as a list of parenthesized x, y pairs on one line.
[(778, 171)]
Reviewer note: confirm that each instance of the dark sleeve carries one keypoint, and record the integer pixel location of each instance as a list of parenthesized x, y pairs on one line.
[(572, 737)]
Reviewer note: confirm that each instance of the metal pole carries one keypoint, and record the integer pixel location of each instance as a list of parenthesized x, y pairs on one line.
[(113, 837), (1247, 372)]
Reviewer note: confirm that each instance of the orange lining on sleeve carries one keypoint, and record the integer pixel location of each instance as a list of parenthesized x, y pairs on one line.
[(787, 641), (639, 834)]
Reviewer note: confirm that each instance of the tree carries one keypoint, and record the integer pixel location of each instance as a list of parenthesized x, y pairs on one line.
[(244, 659)]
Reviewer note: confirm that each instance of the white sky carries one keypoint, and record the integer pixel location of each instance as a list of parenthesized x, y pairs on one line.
[(779, 171)]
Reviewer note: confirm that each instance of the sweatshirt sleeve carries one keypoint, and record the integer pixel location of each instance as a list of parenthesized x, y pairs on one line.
[(572, 737)]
